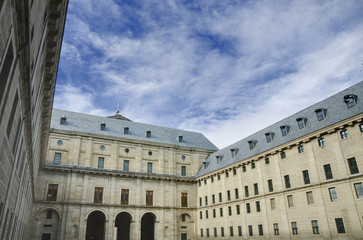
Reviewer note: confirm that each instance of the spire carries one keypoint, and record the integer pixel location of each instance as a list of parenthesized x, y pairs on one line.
[(119, 116)]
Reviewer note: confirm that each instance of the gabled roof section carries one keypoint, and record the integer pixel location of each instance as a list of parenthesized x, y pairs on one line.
[(336, 109), (115, 127)]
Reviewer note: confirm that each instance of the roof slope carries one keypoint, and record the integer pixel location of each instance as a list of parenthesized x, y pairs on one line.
[(85, 123), (336, 111)]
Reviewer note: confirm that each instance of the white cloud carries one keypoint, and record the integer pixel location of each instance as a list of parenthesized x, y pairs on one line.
[(219, 67)]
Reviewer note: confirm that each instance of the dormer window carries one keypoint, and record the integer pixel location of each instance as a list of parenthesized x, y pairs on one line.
[(350, 100), (252, 144), (103, 127), (180, 138), (218, 159), (233, 153), (284, 130), (320, 113), (126, 130), (205, 165), (301, 122), (148, 133), (269, 136), (63, 120)]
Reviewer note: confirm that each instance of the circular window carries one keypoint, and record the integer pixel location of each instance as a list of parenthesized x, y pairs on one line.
[(102, 147), (127, 150), (183, 157), (60, 142), (150, 153)]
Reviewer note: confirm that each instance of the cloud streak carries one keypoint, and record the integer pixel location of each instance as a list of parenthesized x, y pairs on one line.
[(224, 68)]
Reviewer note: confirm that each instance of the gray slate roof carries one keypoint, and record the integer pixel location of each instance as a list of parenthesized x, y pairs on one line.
[(85, 123), (336, 111)]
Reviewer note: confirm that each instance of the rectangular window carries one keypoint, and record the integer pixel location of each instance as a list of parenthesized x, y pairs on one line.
[(221, 212), (283, 155), (126, 165), (248, 208), (222, 231), (253, 165), (229, 210), (200, 215), (219, 177), (287, 181), (183, 170), (328, 172), (309, 198), (215, 232), (300, 149), (272, 203), (234, 171), (250, 230), (270, 185), (228, 195), (284, 130), (268, 137), (201, 232), (207, 232), (340, 225), (46, 236), (238, 210), (231, 231), (205, 181), (353, 167), (246, 192), (290, 201), (294, 228), (212, 179), (227, 174), (57, 158), (125, 196), (315, 226), (344, 134), (361, 127), (244, 168), (101, 162), (239, 231), (321, 142), (301, 123), (276, 229), (333, 194), (255, 186), (5, 70), (220, 197), (236, 195), (306, 176), (206, 213), (213, 199), (267, 161), (260, 230), (149, 198), (49, 214), (97, 198), (184, 199), (358, 189), (258, 206), (200, 201), (12, 114), (206, 200), (52, 192), (320, 114), (214, 213), (149, 167)]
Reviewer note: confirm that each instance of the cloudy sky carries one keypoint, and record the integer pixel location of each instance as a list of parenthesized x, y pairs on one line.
[(224, 68)]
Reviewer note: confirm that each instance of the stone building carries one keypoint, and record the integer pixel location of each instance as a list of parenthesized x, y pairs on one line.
[(111, 178), (30, 41), (108, 178)]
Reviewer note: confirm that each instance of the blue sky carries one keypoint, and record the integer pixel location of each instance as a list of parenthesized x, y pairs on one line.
[(223, 68)]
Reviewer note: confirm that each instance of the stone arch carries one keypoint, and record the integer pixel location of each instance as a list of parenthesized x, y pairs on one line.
[(148, 221), (47, 223), (126, 211), (157, 218), (92, 210), (123, 225), (96, 225), (185, 226)]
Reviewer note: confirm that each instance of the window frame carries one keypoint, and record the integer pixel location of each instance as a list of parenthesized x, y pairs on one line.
[(344, 134), (184, 199), (333, 194), (358, 187), (294, 228), (101, 163), (310, 198), (321, 142), (328, 172), (98, 195), (52, 192), (306, 177), (57, 158), (353, 165), (125, 196), (315, 227), (270, 185), (126, 166), (339, 223), (149, 200)]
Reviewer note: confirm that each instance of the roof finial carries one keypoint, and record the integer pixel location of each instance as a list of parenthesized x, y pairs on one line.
[(117, 111)]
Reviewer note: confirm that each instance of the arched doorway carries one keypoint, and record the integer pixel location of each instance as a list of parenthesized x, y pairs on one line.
[(185, 226), (47, 224), (96, 226), (148, 226), (122, 223)]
